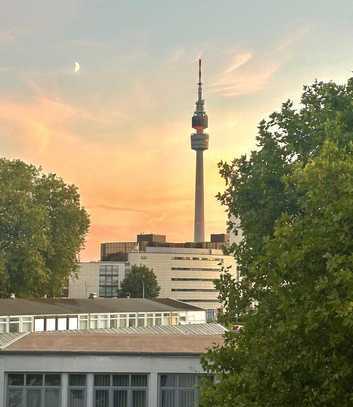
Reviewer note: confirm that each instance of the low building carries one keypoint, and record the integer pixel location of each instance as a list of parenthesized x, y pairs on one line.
[(152, 367), (23, 315)]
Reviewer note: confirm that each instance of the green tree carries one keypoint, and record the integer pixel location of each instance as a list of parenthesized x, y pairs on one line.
[(42, 230), (140, 282), (293, 201)]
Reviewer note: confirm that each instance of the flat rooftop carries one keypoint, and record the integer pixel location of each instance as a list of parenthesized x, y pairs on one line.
[(63, 306), (177, 340)]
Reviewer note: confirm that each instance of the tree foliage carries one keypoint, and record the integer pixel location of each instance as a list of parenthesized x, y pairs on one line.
[(140, 281), (42, 230), (293, 199)]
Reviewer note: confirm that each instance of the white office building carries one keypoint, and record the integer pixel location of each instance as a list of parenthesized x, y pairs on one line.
[(184, 274)]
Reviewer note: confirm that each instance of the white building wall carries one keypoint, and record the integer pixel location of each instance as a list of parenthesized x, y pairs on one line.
[(194, 266)]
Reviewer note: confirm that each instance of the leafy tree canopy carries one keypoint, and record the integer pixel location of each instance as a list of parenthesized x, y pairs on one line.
[(42, 230), (293, 200), (139, 282)]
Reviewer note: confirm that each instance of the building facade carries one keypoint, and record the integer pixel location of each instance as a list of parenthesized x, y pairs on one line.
[(105, 368), (100, 278), (186, 274)]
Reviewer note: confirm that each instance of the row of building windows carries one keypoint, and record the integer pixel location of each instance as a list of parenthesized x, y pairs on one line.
[(194, 279), (109, 390), (218, 259), (197, 300), (196, 269), (88, 321), (198, 290)]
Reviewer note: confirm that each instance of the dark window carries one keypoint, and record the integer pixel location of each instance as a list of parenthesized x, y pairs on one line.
[(179, 390), (77, 390), (34, 380), (77, 398), (77, 380), (102, 380), (16, 380), (139, 380), (52, 380), (120, 380), (120, 390), (33, 390)]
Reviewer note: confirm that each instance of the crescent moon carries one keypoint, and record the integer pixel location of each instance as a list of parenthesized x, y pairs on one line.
[(77, 67)]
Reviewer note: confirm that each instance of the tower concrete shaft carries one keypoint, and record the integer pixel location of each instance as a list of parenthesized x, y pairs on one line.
[(199, 143), (199, 221)]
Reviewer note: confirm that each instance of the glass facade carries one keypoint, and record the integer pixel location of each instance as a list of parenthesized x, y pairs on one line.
[(109, 280), (77, 390), (33, 390), (120, 390), (179, 390), (117, 251), (105, 389)]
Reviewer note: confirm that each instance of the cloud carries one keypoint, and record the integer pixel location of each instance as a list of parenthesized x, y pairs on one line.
[(248, 72), (293, 37), (120, 209), (235, 82), (238, 61), (129, 186)]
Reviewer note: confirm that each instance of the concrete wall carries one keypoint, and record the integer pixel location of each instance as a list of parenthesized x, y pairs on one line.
[(88, 278), (87, 281), (65, 364)]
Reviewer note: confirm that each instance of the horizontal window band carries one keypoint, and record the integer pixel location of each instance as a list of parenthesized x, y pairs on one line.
[(200, 290), (196, 269), (198, 300), (194, 279)]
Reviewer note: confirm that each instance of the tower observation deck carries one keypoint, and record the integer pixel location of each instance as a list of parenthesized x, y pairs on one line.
[(199, 143)]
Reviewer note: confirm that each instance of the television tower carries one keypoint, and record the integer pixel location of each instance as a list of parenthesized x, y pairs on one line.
[(199, 143)]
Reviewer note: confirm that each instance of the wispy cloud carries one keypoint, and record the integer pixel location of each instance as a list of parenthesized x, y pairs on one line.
[(234, 81), (238, 61), (293, 37), (248, 72), (119, 209)]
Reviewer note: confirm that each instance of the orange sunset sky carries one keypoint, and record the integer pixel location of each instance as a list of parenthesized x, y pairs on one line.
[(120, 127)]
